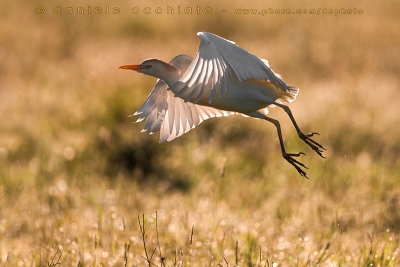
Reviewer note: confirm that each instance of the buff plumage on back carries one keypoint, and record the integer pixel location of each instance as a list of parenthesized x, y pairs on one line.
[(163, 111), (219, 66)]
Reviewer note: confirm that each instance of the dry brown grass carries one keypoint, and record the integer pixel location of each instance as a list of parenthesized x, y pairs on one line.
[(75, 173)]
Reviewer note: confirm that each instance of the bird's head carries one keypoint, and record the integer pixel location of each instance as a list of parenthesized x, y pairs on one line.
[(149, 66), (156, 68)]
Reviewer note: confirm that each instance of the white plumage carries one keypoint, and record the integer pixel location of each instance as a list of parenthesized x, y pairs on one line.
[(219, 66), (223, 79), (172, 115)]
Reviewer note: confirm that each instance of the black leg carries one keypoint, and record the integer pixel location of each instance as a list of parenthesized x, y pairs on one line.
[(305, 137), (288, 156)]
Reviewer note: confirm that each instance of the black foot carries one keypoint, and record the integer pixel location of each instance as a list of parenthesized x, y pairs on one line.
[(295, 163), (313, 144), (312, 134)]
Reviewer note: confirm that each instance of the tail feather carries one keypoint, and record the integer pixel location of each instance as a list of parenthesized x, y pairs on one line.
[(288, 96), (292, 93)]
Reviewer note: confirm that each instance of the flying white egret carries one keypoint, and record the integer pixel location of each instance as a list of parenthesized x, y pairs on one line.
[(223, 79)]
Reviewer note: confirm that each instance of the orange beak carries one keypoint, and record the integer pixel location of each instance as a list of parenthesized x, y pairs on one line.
[(132, 67)]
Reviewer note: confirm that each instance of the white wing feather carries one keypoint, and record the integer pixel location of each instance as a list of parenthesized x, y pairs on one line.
[(163, 111), (219, 66)]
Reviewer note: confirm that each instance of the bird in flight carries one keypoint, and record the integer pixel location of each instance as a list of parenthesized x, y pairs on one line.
[(222, 80)]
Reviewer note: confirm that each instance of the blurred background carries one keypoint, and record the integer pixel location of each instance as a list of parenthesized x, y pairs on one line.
[(75, 172)]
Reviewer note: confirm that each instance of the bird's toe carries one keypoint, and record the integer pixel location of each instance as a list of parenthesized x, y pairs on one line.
[(295, 163)]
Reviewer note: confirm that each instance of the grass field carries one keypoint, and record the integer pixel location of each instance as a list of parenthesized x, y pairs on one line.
[(77, 176)]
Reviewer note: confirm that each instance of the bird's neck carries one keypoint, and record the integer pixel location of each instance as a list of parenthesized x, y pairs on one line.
[(169, 73)]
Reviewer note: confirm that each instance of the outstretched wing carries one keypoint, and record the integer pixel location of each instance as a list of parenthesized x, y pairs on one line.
[(172, 115), (219, 66)]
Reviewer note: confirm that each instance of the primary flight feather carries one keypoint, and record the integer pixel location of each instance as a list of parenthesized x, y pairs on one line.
[(221, 80)]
